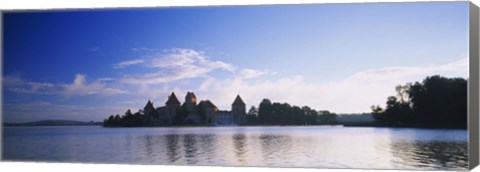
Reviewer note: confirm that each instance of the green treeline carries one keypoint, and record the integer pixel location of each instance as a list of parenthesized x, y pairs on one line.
[(435, 102), (127, 120), (275, 113)]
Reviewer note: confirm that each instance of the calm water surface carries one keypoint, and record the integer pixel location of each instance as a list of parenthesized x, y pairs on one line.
[(325, 147)]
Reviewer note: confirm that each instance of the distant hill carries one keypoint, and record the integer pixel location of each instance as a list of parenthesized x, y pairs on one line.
[(53, 123)]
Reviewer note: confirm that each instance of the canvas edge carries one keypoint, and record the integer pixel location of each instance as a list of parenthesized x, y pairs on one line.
[(473, 85), (1, 85), (473, 88)]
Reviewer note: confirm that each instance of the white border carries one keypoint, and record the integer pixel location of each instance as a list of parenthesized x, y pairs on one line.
[(8, 5), (88, 4)]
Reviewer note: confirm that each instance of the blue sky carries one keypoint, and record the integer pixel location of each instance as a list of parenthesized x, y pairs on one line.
[(87, 65)]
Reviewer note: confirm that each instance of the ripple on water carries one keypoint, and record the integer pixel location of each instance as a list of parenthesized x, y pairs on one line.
[(322, 147)]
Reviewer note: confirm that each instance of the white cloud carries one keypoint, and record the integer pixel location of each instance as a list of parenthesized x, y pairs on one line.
[(105, 79), (353, 94), (456, 68), (16, 84), (252, 73), (125, 64), (174, 65), (79, 87)]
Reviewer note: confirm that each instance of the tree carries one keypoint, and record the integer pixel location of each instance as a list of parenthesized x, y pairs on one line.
[(109, 121), (311, 115), (298, 116), (265, 111), (437, 101), (126, 120), (138, 118), (128, 113), (117, 119), (253, 111), (378, 113), (326, 117), (441, 100), (285, 114), (402, 92), (252, 115)]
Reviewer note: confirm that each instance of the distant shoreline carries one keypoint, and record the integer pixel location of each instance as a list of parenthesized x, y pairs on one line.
[(52, 123), (421, 126), (91, 123)]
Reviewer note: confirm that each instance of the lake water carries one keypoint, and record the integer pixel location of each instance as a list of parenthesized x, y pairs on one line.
[(321, 147)]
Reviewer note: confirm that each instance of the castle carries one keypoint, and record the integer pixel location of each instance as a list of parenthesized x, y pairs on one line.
[(205, 112)]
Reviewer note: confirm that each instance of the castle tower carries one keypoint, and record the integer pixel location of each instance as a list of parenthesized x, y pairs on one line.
[(172, 105), (239, 110), (149, 108), (149, 112), (190, 102)]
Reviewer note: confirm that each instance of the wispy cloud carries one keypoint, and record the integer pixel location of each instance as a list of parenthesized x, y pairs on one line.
[(79, 87), (17, 84), (173, 65), (253, 73), (459, 67), (142, 49), (125, 64)]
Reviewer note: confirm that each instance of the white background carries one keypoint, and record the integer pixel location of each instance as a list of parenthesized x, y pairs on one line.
[(70, 4)]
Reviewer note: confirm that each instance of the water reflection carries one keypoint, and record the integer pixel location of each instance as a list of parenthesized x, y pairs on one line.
[(323, 147), (190, 143), (207, 147), (240, 142), (432, 155), (275, 149), (149, 144), (173, 148), (427, 152)]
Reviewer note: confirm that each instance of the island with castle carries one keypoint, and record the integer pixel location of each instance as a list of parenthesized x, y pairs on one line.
[(203, 113)]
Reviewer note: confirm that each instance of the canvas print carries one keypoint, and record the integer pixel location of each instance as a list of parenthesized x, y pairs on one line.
[(366, 85)]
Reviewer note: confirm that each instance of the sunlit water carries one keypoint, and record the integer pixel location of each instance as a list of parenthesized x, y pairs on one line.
[(323, 147)]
